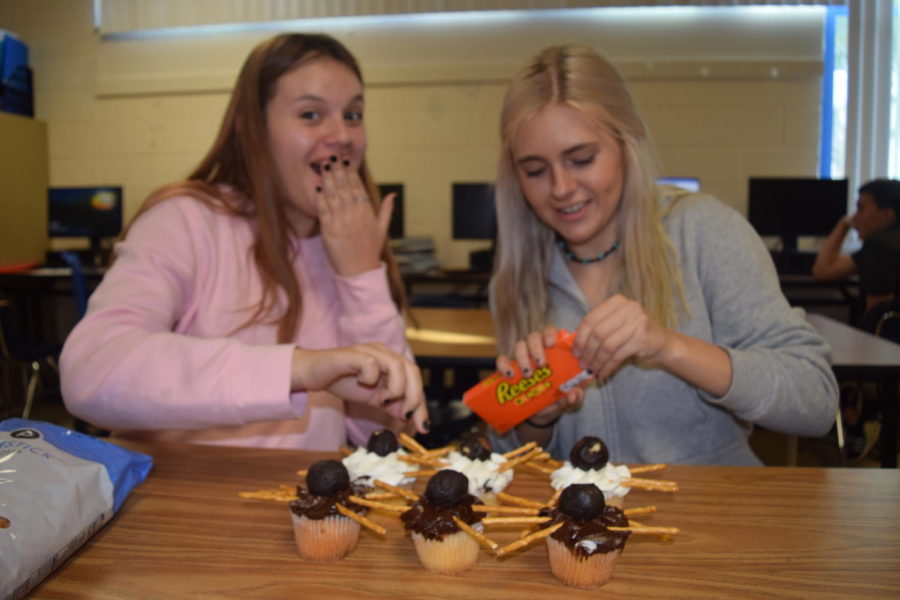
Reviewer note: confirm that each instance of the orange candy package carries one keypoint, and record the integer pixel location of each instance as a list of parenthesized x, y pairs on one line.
[(504, 402)]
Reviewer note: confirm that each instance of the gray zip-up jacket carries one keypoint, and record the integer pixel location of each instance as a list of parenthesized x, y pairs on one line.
[(781, 375)]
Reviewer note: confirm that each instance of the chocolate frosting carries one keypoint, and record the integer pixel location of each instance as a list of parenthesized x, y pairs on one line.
[(446, 496), (382, 442), (589, 453)]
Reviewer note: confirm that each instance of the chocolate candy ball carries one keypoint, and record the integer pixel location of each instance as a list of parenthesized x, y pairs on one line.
[(327, 478), (382, 442), (475, 447), (582, 501), (589, 453), (447, 487)]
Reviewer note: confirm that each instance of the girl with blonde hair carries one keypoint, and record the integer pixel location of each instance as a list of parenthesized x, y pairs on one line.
[(257, 303), (676, 305)]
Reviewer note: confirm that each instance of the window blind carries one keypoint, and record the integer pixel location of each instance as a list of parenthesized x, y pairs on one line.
[(123, 16)]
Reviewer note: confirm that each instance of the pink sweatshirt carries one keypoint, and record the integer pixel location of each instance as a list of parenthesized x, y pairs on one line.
[(159, 356)]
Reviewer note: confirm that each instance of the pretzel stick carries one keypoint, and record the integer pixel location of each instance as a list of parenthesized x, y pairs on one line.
[(522, 458), (420, 473), (510, 510), (346, 451), (648, 468), (380, 505), (410, 444), (359, 519), (509, 498), (284, 493), (520, 450), (542, 456), (439, 452), (479, 537), (399, 491), (302, 472), (416, 459), (555, 464), (521, 543), (539, 468), (555, 497), (651, 484), (665, 531), (513, 520), (639, 510), (381, 496)]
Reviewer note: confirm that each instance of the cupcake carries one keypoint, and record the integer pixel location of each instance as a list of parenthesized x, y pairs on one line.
[(441, 545), (380, 460), (482, 467), (321, 532), (589, 463), (583, 550)]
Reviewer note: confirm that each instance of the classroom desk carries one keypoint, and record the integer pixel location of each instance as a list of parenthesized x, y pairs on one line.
[(452, 337), (35, 294), (749, 532), (809, 292), (856, 354)]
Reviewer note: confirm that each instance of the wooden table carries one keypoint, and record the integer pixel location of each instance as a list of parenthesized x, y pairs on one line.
[(857, 354), (766, 532)]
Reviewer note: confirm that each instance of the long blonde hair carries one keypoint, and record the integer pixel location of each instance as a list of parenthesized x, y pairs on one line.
[(578, 77), (239, 160)]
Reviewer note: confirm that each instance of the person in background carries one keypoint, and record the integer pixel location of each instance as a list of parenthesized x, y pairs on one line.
[(878, 261), (257, 303), (673, 298)]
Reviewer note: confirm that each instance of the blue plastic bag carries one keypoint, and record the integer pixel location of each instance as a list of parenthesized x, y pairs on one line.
[(57, 488)]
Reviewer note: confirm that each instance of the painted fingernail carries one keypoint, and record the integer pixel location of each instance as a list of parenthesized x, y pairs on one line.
[(318, 188), (590, 372), (526, 372), (327, 167), (346, 163), (408, 415), (539, 362), (427, 425), (333, 158), (386, 401), (509, 373)]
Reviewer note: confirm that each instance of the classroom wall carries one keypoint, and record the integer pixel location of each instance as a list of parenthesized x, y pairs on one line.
[(724, 98)]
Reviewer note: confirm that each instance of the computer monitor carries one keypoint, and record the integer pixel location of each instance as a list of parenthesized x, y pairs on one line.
[(795, 206), (691, 184), (395, 229), (474, 214), (93, 212)]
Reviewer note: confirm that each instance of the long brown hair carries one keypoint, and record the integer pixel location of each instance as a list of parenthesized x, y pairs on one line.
[(239, 161), (578, 77)]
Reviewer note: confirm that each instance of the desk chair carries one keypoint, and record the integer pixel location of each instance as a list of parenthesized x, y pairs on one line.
[(33, 359), (79, 285)]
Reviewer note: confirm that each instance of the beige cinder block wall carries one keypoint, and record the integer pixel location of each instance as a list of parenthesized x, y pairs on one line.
[(725, 97)]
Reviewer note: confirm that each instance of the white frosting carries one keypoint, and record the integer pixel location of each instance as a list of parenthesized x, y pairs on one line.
[(608, 479), (482, 474), (588, 545), (365, 466)]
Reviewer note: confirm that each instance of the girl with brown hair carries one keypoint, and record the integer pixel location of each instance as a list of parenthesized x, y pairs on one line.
[(257, 303)]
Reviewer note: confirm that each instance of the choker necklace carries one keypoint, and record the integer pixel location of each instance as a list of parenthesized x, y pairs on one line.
[(585, 261)]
